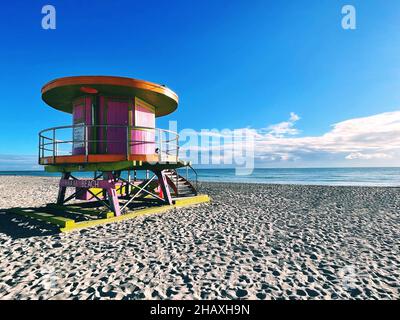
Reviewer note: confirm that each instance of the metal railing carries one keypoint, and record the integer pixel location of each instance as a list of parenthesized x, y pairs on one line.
[(115, 139), (196, 179)]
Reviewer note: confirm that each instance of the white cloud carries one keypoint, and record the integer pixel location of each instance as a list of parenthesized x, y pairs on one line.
[(359, 155), (285, 128), (294, 117)]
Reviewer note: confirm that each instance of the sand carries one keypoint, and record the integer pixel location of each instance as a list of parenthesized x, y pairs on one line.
[(251, 242)]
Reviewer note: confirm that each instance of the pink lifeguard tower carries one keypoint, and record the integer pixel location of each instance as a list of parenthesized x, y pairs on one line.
[(114, 136)]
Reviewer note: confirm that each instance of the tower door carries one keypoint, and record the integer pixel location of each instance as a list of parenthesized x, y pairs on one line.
[(116, 115), (82, 119)]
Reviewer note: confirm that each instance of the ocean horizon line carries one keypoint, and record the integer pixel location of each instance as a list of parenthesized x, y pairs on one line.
[(256, 168), (335, 176)]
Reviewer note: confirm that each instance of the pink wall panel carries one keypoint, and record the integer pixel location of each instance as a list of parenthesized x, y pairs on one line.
[(144, 117), (142, 141)]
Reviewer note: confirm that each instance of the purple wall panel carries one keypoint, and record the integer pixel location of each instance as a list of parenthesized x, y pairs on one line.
[(101, 131), (117, 114)]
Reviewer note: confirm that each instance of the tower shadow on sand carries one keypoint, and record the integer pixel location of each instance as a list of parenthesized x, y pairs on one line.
[(19, 227)]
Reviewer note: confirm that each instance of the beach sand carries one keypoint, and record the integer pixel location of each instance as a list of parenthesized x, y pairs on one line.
[(251, 242)]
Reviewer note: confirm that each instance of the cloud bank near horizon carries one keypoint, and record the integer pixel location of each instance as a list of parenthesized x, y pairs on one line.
[(366, 141), (374, 139)]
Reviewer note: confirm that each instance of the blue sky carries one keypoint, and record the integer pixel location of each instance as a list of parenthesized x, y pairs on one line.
[(234, 64)]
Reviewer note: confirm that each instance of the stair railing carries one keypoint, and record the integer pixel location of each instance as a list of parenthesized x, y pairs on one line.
[(177, 182), (195, 175)]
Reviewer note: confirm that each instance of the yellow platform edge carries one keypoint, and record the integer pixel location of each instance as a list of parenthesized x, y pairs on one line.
[(67, 224)]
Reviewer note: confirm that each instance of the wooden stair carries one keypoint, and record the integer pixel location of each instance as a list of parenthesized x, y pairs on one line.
[(181, 186)]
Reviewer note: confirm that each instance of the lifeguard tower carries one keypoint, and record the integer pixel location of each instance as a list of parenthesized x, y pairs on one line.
[(113, 138)]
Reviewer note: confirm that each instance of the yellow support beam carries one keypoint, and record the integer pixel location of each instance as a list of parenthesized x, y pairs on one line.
[(179, 203), (130, 215)]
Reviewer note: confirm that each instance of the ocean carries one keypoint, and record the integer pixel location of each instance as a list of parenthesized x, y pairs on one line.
[(308, 176)]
